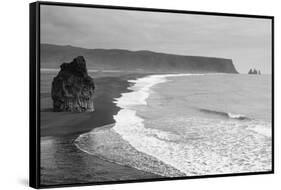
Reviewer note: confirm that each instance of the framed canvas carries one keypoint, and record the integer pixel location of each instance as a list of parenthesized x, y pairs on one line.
[(126, 94)]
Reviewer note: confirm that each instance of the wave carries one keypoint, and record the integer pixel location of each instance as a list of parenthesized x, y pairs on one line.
[(225, 114), (106, 144), (118, 144), (196, 150), (260, 127), (141, 88), (188, 152), (200, 145)]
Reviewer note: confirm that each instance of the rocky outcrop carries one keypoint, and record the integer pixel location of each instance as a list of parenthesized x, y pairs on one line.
[(254, 72), (73, 88)]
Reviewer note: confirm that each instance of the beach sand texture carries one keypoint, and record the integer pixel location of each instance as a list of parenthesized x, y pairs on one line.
[(61, 161), (155, 126)]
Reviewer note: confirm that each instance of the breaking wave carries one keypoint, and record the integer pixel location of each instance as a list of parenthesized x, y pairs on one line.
[(105, 143), (202, 145), (225, 114)]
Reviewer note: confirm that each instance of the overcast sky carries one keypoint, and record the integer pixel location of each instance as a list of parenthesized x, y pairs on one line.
[(247, 41)]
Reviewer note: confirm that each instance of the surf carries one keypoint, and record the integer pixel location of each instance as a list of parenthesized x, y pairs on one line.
[(225, 114), (189, 144)]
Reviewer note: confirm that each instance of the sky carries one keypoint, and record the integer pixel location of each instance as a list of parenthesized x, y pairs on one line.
[(247, 41)]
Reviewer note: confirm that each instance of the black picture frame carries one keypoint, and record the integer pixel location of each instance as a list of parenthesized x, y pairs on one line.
[(34, 99)]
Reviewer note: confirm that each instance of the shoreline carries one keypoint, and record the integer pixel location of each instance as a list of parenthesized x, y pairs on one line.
[(140, 92), (105, 143), (108, 88), (60, 129), (86, 167), (133, 130)]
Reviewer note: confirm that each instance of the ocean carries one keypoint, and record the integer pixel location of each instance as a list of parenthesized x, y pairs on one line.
[(189, 125)]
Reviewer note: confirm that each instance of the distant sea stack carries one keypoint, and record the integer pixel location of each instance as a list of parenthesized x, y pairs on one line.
[(254, 72), (73, 88), (134, 61)]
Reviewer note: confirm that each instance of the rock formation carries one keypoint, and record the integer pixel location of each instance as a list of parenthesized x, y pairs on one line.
[(254, 72), (73, 88)]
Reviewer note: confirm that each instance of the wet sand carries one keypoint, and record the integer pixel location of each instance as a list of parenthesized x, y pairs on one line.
[(61, 161)]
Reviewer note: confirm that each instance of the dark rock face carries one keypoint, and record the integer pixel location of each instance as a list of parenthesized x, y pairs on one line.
[(254, 72), (73, 88)]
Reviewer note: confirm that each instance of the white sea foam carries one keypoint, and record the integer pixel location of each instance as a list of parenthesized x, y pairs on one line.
[(200, 146), (105, 143), (263, 128), (206, 146), (49, 70), (236, 116), (185, 152), (126, 119), (141, 90)]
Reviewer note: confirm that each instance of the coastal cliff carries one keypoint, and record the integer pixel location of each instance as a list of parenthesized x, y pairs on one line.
[(137, 61), (73, 88)]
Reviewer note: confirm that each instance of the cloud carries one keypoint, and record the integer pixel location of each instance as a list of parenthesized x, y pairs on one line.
[(245, 40)]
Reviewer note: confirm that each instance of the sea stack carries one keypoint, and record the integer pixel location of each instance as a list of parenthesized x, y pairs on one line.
[(254, 72), (73, 88)]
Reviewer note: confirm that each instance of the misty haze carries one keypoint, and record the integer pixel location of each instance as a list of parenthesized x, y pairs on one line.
[(130, 95)]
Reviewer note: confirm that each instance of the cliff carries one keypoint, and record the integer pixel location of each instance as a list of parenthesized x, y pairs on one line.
[(115, 59), (73, 88)]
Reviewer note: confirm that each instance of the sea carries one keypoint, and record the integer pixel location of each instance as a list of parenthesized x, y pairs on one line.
[(189, 125)]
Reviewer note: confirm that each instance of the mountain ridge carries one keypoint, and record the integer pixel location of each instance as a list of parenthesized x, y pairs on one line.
[(52, 56)]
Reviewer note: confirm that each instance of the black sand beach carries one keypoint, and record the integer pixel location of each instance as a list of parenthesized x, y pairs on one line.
[(61, 161)]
